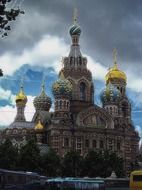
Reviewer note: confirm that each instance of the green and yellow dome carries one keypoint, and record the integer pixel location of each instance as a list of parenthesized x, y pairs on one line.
[(62, 87), (110, 94)]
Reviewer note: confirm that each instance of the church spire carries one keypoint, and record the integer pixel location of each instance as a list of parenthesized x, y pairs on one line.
[(75, 16), (21, 100)]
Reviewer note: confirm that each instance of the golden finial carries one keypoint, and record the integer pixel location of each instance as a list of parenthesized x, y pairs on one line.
[(21, 95), (43, 85), (115, 58), (22, 83), (75, 14)]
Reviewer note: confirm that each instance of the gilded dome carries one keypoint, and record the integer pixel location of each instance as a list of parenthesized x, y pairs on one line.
[(115, 73), (110, 93), (62, 87), (21, 96), (39, 126), (42, 102)]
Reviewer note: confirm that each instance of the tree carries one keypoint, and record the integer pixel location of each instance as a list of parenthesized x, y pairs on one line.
[(30, 157), (72, 164), (8, 155), (1, 73), (50, 164), (92, 164), (101, 164), (6, 16)]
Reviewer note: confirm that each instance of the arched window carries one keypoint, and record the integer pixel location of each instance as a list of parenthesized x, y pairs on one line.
[(60, 104), (125, 109), (121, 90), (82, 91)]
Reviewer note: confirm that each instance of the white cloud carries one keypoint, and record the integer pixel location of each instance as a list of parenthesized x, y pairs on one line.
[(98, 70), (7, 115), (134, 82), (139, 130), (47, 52), (6, 95)]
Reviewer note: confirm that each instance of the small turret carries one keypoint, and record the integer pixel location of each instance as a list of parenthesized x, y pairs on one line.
[(21, 100), (39, 131)]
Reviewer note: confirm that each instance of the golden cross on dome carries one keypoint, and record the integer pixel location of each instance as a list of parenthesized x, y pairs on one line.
[(115, 56), (43, 84), (22, 82), (75, 14)]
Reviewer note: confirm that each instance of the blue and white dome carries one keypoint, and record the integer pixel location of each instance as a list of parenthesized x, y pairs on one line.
[(110, 94), (75, 30)]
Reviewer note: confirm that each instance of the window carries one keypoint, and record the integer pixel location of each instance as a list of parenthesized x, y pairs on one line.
[(125, 109), (82, 91), (66, 142), (118, 145), (67, 105), (137, 178), (94, 144), (101, 144), (60, 104), (87, 143)]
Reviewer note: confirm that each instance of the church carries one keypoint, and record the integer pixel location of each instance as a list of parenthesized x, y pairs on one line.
[(77, 123)]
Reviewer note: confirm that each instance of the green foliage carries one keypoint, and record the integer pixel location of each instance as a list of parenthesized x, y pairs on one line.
[(72, 164), (102, 164), (50, 164), (30, 157), (8, 155), (1, 73)]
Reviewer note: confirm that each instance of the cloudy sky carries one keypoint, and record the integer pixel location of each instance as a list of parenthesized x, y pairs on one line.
[(40, 38)]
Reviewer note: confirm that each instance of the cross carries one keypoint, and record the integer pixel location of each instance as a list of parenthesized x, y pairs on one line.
[(43, 83), (22, 82), (115, 55), (75, 16)]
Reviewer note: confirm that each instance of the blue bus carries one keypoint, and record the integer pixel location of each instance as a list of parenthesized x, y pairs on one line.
[(74, 184)]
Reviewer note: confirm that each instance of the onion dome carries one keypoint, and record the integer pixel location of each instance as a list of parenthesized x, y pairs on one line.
[(75, 30), (110, 94), (42, 102), (62, 87), (21, 96), (39, 126), (115, 73)]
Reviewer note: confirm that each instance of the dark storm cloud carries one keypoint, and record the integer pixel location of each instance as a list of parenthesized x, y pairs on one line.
[(105, 23)]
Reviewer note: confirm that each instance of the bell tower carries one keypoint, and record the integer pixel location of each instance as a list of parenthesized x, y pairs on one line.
[(75, 70), (116, 96)]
